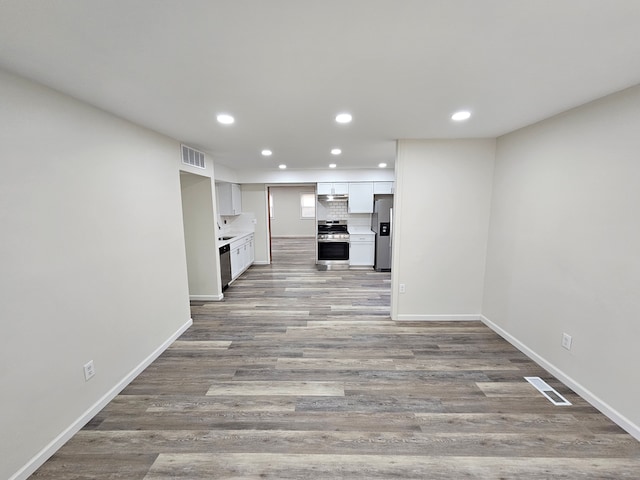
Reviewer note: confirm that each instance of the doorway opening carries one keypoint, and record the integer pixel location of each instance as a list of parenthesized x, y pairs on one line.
[(292, 223)]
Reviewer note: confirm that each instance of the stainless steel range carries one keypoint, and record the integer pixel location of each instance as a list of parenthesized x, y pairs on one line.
[(333, 245)]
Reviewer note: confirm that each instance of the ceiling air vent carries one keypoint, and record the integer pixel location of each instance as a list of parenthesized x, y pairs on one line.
[(192, 157)]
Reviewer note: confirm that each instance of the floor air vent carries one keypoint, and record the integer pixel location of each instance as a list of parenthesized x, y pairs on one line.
[(543, 387), (192, 157)]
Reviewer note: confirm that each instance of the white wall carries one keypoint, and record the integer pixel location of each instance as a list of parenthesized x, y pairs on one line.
[(441, 218), (286, 221), (254, 200), (564, 248), (200, 231), (226, 174), (93, 262), (291, 176)]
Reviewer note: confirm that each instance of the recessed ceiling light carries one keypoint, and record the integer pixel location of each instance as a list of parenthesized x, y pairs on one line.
[(282, 166), (225, 119), (266, 152), (461, 115), (336, 151), (332, 165), (382, 165), (343, 118)]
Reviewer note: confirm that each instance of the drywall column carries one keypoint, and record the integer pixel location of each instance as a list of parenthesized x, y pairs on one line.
[(254, 199), (200, 232), (441, 218)]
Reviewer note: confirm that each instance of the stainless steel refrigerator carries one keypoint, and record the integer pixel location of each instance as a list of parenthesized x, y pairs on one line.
[(382, 225)]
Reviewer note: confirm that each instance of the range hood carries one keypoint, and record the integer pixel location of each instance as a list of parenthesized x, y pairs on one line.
[(333, 198)]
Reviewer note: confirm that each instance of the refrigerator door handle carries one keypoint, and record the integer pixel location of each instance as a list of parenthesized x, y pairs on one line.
[(390, 227)]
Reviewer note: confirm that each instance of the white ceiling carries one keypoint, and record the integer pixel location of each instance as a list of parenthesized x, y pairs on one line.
[(285, 68)]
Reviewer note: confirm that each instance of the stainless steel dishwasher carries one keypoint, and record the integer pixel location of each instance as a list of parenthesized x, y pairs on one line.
[(225, 265)]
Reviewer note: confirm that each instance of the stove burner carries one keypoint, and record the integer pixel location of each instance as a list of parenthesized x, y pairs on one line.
[(333, 230)]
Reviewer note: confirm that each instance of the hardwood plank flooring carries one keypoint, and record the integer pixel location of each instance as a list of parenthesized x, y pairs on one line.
[(301, 374)]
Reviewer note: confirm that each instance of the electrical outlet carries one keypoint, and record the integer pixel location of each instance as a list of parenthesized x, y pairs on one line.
[(89, 370), (566, 341), (402, 288)]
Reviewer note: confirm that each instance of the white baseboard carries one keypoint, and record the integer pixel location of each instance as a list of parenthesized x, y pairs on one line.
[(622, 421), (261, 262), (206, 298), (438, 318), (42, 456)]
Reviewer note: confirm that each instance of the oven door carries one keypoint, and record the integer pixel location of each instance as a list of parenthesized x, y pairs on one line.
[(333, 250)]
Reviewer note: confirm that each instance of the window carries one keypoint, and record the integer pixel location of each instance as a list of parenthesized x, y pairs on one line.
[(307, 205), (270, 205)]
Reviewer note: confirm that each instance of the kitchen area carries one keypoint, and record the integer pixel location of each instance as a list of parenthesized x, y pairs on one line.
[(236, 233), (354, 225)]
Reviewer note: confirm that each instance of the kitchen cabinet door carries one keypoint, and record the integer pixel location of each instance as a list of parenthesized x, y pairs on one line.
[(324, 189), (237, 261), (332, 188), (252, 251), (362, 254), (245, 256), (340, 188), (361, 197), (380, 188), (229, 198), (242, 255)]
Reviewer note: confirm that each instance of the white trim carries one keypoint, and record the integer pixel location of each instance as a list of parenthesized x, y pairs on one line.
[(261, 262), (438, 318), (606, 409), (206, 298), (37, 460)]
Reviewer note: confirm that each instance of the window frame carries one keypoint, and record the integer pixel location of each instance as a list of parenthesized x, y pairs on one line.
[(310, 210)]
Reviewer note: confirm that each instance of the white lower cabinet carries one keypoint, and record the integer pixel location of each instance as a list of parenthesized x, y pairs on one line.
[(236, 260), (242, 255), (252, 251), (362, 250)]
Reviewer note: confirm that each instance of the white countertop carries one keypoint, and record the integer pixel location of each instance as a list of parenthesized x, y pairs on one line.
[(360, 230), (233, 236)]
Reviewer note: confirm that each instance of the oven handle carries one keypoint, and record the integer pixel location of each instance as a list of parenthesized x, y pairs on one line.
[(336, 240)]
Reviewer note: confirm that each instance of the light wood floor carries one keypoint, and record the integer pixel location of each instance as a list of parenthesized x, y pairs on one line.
[(300, 374)]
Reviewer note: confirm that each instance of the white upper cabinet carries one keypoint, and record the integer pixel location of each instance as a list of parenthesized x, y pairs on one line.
[(380, 188), (324, 188), (361, 197), (229, 198), (332, 188)]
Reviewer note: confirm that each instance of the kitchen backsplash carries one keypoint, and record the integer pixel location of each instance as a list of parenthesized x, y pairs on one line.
[(338, 210), (359, 219), (245, 222)]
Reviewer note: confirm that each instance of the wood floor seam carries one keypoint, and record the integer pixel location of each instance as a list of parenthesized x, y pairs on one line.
[(302, 374)]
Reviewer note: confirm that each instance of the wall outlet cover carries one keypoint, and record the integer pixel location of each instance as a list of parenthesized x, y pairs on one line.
[(89, 370)]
